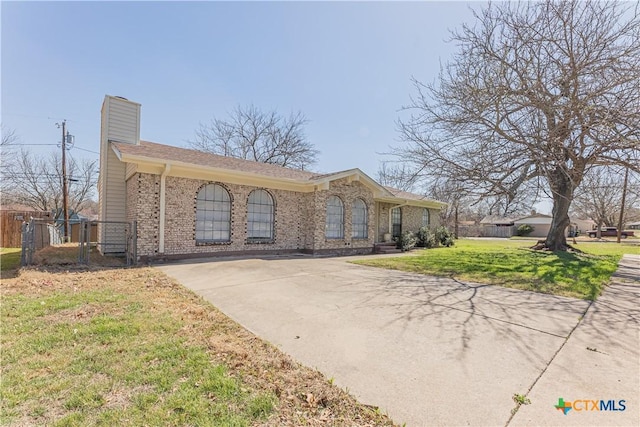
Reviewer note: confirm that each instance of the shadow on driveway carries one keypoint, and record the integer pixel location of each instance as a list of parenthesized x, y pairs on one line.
[(429, 350)]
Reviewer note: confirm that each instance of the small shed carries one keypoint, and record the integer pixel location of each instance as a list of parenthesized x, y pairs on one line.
[(497, 226)]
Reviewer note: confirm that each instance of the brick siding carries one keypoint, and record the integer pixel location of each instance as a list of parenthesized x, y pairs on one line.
[(347, 192), (299, 218), (411, 219)]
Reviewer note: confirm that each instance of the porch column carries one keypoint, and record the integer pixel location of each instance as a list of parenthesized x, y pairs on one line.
[(163, 186)]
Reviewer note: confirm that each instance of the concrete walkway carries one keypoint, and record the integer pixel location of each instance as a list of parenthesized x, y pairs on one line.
[(600, 361), (434, 351)]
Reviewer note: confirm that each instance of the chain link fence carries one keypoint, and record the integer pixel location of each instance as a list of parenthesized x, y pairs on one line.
[(120, 241)]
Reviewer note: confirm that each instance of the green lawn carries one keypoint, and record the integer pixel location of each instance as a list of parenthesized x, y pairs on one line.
[(103, 357), (512, 264), (83, 347), (9, 258)]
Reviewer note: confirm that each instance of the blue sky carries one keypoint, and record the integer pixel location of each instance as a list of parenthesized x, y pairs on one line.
[(346, 66)]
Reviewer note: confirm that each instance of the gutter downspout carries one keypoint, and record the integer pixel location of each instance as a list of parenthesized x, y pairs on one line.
[(163, 187)]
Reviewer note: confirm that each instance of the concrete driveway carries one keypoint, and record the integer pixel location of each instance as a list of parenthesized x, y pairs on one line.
[(429, 351)]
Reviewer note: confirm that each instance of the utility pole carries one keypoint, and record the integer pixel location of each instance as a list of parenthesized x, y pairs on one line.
[(65, 200), (624, 200)]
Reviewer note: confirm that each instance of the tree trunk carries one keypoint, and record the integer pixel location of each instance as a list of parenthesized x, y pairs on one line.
[(562, 189), (455, 232)]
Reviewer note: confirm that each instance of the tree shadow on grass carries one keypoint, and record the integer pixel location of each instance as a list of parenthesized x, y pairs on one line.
[(571, 274)]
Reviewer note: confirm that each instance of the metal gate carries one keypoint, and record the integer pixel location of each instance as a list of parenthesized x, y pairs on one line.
[(128, 230), (49, 235), (28, 243)]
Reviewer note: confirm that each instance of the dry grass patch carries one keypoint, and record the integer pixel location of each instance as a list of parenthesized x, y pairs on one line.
[(88, 346), (67, 254)]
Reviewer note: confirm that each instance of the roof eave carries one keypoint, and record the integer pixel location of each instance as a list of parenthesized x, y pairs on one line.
[(158, 162), (412, 202), (379, 190)]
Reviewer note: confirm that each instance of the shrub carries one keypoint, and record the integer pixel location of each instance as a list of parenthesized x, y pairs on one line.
[(524, 230), (426, 239), (444, 237), (406, 241)]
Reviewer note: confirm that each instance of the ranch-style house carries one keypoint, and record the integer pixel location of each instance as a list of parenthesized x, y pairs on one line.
[(188, 203)]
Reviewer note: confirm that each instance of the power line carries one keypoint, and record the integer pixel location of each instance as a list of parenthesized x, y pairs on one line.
[(89, 151), (31, 116), (34, 144), (79, 148)]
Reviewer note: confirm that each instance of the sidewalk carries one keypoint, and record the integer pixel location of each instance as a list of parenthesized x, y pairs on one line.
[(599, 361)]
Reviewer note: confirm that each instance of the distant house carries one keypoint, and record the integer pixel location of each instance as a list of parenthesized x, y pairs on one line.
[(190, 203), (582, 225), (541, 224), (495, 226), (634, 225)]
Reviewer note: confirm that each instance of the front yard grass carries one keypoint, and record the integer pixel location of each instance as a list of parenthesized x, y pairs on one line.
[(99, 346), (512, 264)]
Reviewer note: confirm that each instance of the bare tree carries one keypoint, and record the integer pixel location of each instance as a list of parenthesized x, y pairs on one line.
[(36, 181), (537, 93), (463, 202), (397, 175), (599, 197), (261, 136), (7, 147)]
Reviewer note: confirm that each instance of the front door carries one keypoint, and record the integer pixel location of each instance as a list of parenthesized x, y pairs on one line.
[(396, 222)]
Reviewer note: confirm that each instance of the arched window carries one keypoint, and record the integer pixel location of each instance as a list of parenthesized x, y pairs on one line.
[(425, 217), (213, 214), (260, 216), (359, 220), (335, 218)]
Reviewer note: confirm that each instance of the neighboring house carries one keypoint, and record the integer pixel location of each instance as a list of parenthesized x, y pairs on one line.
[(633, 226), (75, 219), (541, 224), (582, 225), (506, 227), (190, 203)]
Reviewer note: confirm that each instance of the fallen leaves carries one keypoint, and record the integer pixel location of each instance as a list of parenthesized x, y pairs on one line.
[(305, 396)]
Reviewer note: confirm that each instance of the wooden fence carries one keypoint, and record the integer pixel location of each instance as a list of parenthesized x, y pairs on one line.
[(11, 226), (498, 230)]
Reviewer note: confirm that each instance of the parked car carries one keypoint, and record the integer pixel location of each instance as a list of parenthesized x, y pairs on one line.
[(610, 232)]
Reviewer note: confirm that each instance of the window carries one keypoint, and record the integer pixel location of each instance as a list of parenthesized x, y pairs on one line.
[(425, 217), (396, 222), (260, 216), (359, 220), (335, 218), (213, 214)]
